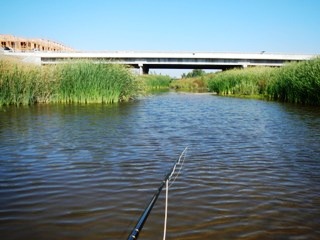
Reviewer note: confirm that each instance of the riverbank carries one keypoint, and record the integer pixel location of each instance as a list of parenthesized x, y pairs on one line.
[(87, 82), (297, 82), (78, 82)]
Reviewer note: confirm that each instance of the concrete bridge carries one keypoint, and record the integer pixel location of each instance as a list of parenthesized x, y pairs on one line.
[(166, 60)]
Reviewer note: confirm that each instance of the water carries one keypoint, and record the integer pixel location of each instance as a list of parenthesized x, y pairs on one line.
[(87, 171)]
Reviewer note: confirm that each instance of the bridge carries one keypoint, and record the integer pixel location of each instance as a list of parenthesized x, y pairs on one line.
[(166, 60)]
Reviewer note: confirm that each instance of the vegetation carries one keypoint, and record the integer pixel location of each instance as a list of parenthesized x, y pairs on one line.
[(85, 82), (154, 82), (196, 83), (295, 82), (22, 83), (80, 82), (194, 73), (249, 81)]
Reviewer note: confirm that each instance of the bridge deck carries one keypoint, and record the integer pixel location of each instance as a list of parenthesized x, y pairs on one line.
[(174, 60)]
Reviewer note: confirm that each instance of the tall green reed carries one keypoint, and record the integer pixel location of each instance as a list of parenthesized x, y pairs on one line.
[(249, 81), (74, 82), (154, 82), (86, 82), (297, 82), (18, 82), (194, 83)]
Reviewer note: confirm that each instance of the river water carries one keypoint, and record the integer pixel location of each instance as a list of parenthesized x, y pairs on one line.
[(252, 169)]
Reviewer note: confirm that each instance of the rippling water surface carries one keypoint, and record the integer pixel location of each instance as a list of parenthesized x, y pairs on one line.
[(87, 171)]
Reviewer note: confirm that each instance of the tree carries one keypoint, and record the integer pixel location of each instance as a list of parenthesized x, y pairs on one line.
[(193, 73)]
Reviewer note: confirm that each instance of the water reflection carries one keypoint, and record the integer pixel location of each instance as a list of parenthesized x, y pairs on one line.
[(87, 171)]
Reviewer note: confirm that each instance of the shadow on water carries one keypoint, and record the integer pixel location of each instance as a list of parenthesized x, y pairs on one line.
[(87, 171)]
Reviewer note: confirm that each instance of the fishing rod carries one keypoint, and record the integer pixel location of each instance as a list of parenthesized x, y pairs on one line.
[(143, 218)]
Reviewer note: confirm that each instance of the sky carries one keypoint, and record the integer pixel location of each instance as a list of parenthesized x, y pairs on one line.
[(277, 26)]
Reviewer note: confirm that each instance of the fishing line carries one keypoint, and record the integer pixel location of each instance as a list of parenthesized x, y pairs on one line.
[(137, 229), (166, 211), (183, 157), (179, 162)]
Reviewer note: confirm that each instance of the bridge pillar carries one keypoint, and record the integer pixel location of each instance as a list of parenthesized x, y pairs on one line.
[(140, 65), (143, 69)]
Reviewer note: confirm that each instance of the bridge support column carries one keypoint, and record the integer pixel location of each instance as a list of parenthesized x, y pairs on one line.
[(143, 69), (140, 65)]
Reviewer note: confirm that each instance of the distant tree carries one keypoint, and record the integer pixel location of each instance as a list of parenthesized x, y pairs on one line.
[(193, 73)]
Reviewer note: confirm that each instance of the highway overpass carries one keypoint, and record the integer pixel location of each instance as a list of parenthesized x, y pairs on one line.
[(166, 60)]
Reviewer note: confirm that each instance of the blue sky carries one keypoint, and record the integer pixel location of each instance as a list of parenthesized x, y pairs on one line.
[(286, 26)]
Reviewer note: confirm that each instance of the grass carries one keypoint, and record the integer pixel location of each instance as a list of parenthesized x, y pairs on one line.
[(163, 82), (249, 81), (295, 82), (87, 82), (154, 82), (77, 82), (190, 84), (19, 83)]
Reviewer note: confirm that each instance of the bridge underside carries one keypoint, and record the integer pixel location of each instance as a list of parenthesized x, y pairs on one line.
[(145, 64), (144, 68), (144, 61)]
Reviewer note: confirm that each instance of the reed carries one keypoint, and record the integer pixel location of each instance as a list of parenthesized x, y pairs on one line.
[(297, 82), (195, 83), (86, 82), (18, 82), (249, 81), (77, 82), (154, 82)]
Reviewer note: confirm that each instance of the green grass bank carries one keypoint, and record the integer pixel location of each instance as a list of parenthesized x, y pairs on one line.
[(191, 84), (154, 82), (297, 82), (87, 82), (77, 82)]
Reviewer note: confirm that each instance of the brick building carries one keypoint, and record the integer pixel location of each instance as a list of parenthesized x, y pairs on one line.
[(14, 43)]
